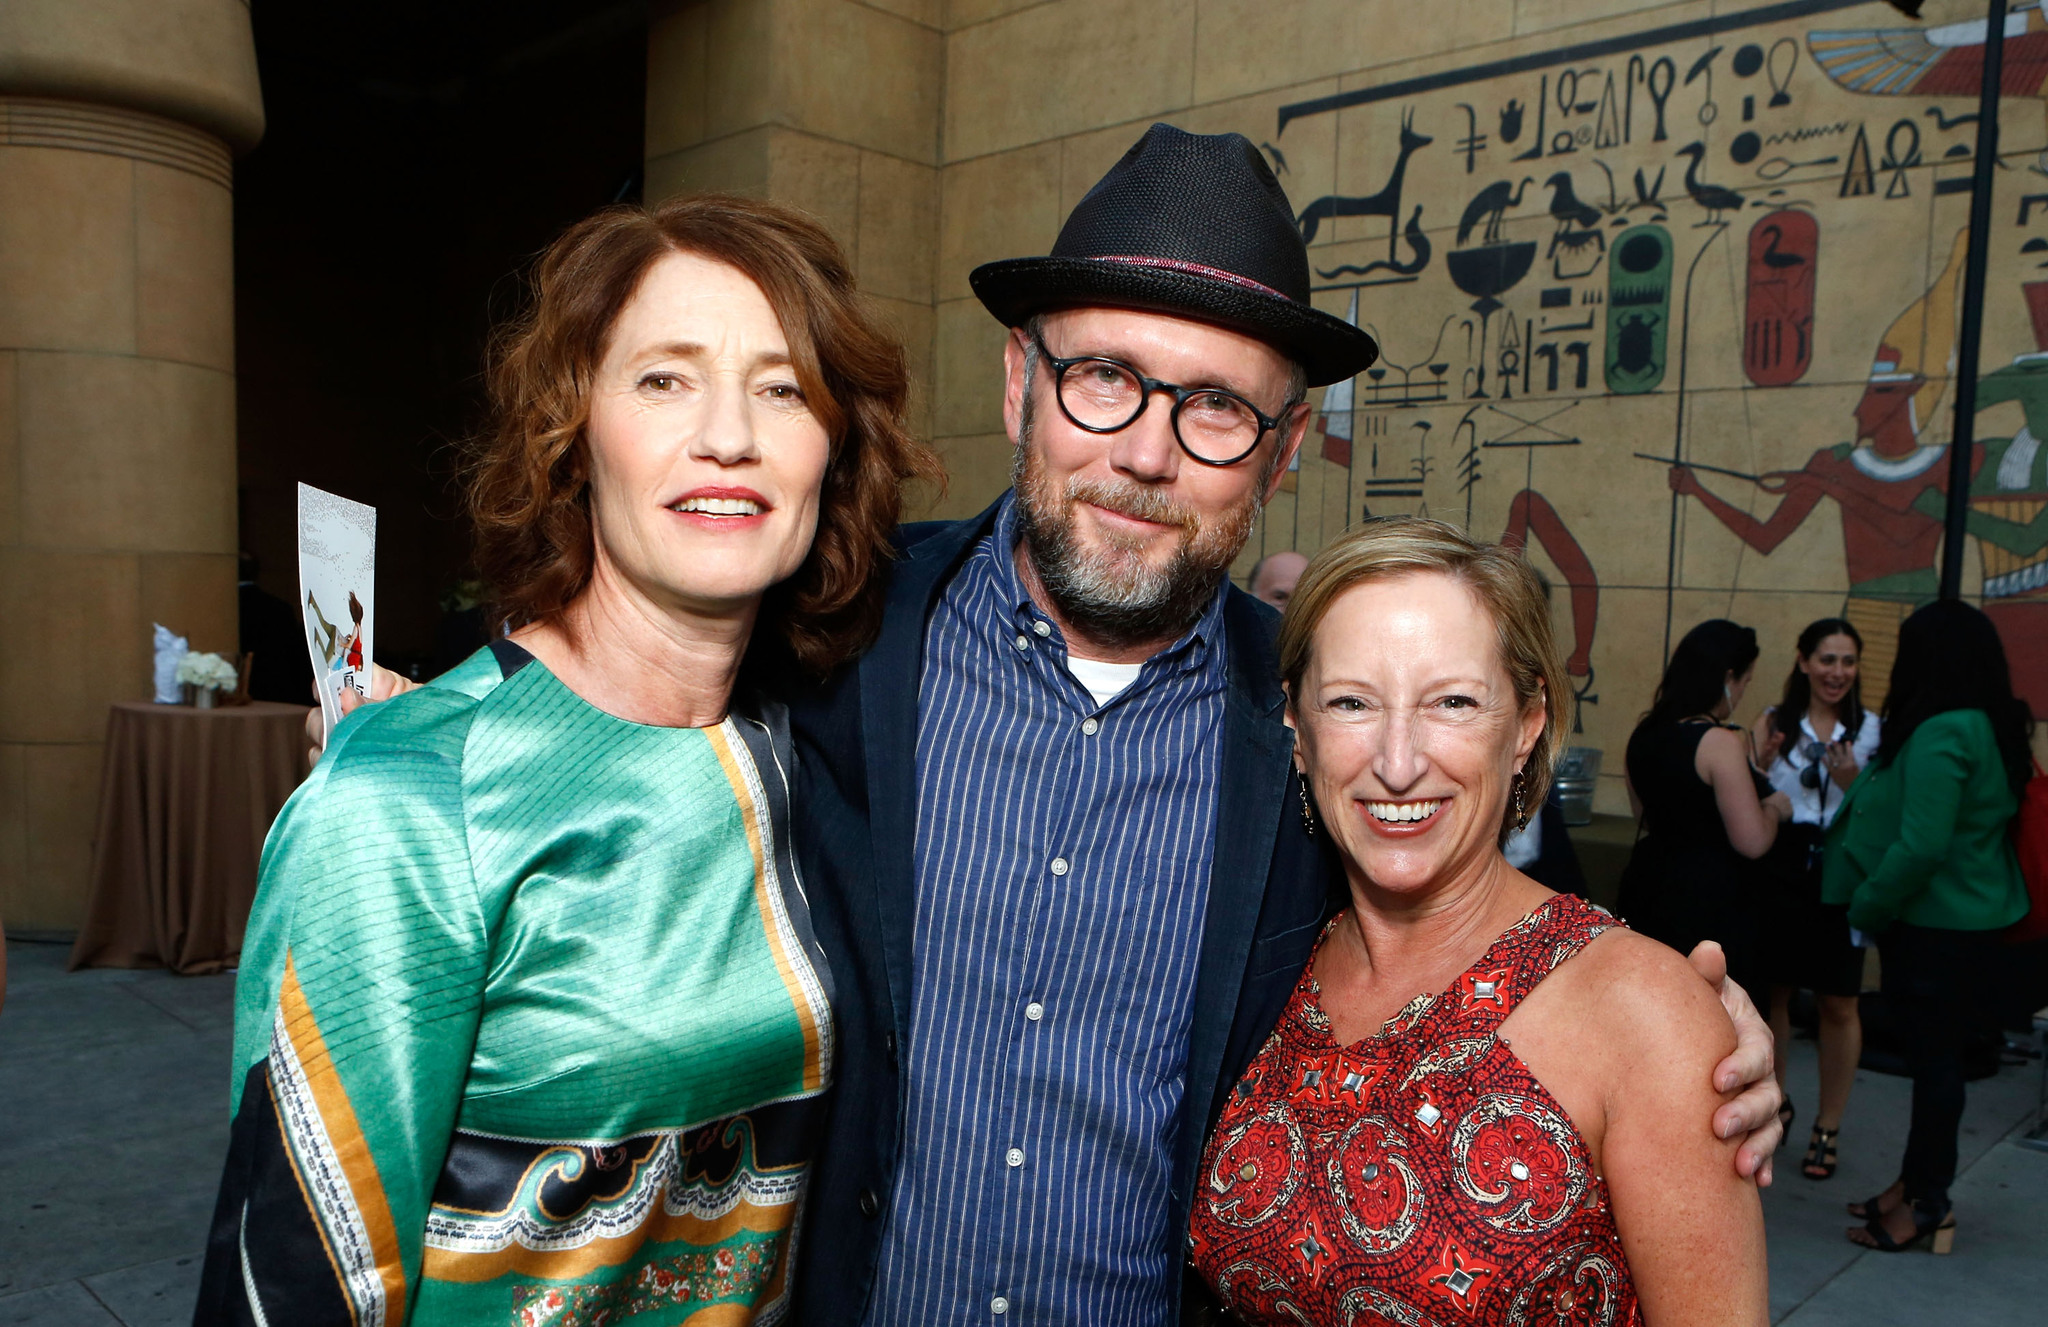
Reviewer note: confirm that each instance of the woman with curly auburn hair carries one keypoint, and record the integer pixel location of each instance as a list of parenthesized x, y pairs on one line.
[(532, 1025)]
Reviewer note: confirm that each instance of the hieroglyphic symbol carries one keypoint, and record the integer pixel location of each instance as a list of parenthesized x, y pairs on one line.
[(1607, 130), (1649, 195), (1713, 197), (1578, 351), (1383, 392), (1512, 362), (1901, 154), (1660, 93), (1539, 432), (1858, 179), (1542, 120), (1710, 110), (1474, 142), (1638, 308), (1744, 64), (1777, 342), (1578, 231), (1469, 473), (1386, 203), (1781, 75)]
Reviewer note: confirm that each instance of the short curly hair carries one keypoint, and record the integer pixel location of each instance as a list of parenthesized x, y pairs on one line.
[(528, 476)]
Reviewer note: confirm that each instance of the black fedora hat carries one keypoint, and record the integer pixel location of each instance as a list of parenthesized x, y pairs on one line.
[(1193, 225)]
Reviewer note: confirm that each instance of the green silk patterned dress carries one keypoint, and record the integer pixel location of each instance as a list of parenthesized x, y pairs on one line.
[(530, 1028)]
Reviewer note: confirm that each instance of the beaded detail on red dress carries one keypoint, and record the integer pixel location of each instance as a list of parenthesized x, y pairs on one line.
[(1419, 1178)]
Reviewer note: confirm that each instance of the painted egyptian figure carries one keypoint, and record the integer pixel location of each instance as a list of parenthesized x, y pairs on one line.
[(1890, 486)]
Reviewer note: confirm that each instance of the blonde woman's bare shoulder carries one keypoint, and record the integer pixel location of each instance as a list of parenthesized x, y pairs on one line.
[(1635, 990)]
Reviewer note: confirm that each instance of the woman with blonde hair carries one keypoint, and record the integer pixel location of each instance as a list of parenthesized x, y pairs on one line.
[(1485, 1103), (531, 1025)]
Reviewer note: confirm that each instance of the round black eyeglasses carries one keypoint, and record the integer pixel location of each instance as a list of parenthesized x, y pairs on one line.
[(1212, 425)]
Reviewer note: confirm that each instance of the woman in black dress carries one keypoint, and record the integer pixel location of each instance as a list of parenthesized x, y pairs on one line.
[(1706, 815)]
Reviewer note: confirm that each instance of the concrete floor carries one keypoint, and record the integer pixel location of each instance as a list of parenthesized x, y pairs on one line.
[(113, 1122), (113, 1119)]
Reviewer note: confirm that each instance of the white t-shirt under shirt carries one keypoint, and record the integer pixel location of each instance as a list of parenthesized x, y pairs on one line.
[(1817, 806), (1105, 681)]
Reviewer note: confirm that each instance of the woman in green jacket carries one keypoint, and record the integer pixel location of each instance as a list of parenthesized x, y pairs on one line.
[(1920, 853)]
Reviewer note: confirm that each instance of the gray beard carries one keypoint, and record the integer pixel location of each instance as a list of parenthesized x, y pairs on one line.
[(1113, 594)]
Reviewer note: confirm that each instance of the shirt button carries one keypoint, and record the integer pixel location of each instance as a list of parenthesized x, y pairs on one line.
[(1034, 1011), (1059, 866), (1023, 641), (999, 1306), (1042, 628), (1089, 727), (1015, 1157)]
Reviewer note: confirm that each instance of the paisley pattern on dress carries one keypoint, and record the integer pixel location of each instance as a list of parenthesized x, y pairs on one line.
[(1579, 1287), (1367, 1307), (1419, 1178), (1252, 1283), (1256, 1168), (1514, 1156), (1378, 1198), (1450, 1058)]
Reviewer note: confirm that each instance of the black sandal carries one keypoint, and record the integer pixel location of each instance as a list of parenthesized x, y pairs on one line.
[(1873, 1207), (1821, 1159), (1937, 1232), (1787, 1113)]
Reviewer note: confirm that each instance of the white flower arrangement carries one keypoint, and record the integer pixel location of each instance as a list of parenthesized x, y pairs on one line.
[(208, 672)]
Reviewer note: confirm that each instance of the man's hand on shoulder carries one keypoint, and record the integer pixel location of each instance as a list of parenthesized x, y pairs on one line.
[(1755, 1112), (384, 684)]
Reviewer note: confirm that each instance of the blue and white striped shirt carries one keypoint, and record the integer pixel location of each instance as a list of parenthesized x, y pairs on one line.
[(1063, 855)]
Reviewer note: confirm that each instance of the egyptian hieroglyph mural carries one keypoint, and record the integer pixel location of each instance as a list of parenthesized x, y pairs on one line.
[(1678, 309)]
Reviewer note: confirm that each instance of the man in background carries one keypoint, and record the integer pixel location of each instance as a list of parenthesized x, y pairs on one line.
[(1274, 576)]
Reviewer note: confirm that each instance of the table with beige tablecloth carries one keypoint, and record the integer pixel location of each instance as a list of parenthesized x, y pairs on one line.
[(186, 797)]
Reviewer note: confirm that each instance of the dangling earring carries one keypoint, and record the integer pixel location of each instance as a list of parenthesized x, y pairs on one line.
[(1308, 815), (1521, 816)]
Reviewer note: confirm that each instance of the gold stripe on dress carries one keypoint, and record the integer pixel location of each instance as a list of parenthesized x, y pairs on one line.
[(741, 774), (341, 1137)]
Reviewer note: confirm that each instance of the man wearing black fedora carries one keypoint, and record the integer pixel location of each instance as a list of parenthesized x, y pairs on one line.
[(1050, 854)]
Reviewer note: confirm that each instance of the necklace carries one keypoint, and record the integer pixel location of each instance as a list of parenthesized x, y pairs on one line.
[(1912, 463)]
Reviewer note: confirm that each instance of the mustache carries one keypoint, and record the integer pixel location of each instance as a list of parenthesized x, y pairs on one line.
[(1130, 500)]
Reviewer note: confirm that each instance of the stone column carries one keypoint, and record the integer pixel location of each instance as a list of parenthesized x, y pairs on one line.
[(829, 105), (118, 122)]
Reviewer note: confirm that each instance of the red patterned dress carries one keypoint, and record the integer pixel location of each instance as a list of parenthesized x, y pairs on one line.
[(1420, 1178)]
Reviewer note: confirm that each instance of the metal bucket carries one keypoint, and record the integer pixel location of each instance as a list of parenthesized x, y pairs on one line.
[(1577, 774)]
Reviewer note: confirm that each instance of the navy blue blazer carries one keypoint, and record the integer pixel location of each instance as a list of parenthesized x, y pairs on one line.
[(1271, 888)]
